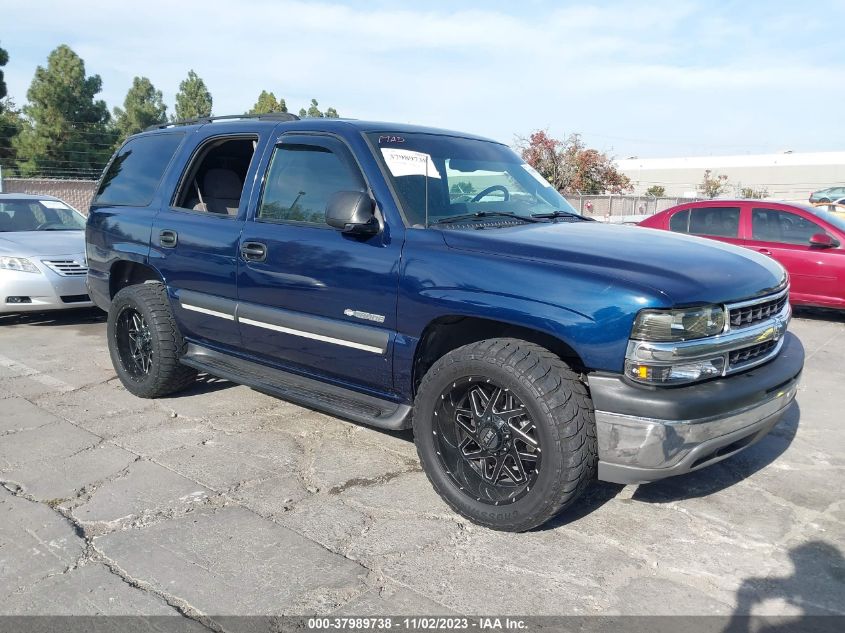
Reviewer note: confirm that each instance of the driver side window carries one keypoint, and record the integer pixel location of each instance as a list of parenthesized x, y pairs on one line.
[(301, 179), (775, 225)]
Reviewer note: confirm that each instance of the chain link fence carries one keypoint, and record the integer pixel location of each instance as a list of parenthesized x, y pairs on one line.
[(622, 209), (77, 193), (617, 209)]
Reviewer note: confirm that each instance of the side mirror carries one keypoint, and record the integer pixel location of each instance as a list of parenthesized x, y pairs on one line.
[(823, 240), (352, 212)]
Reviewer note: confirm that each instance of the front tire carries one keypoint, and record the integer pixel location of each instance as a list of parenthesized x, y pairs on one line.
[(505, 432), (145, 343)]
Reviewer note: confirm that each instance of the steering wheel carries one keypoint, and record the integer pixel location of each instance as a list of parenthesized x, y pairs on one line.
[(490, 190)]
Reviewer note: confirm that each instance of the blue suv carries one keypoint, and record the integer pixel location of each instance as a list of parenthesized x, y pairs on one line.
[(407, 277)]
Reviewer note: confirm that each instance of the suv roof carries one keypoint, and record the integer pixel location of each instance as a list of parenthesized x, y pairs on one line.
[(292, 122)]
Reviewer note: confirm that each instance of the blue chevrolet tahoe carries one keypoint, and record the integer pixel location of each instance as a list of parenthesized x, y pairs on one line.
[(407, 277)]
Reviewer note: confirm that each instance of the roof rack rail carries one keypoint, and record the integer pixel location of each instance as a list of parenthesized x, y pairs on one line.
[(271, 116)]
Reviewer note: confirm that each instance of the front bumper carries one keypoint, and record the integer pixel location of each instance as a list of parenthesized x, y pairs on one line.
[(45, 290), (649, 434)]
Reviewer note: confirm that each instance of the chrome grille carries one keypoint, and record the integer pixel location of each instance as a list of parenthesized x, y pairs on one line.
[(743, 315), (66, 267), (748, 355)]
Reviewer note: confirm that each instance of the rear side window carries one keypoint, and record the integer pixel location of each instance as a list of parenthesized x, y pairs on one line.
[(679, 223), (133, 176), (715, 221)]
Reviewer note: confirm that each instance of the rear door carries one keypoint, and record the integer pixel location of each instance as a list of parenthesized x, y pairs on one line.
[(195, 236), (817, 274), (310, 297), (718, 221)]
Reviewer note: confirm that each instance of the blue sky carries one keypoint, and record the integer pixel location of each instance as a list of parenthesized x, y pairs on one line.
[(659, 78)]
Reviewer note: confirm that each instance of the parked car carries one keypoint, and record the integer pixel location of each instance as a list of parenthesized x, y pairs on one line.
[(834, 206), (806, 240), (827, 195), (42, 254), (532, 350)]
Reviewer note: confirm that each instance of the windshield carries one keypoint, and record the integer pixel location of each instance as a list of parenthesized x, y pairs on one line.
[(38, 215), (836, 218), (439, 177)]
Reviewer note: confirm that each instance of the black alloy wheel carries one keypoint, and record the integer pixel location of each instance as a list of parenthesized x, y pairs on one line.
[(134, 342), (486, 440)]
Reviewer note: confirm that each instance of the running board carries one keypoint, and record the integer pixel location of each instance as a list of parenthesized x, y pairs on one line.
[(314, 394)]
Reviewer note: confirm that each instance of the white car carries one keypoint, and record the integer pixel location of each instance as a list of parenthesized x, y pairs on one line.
[(42, 255)]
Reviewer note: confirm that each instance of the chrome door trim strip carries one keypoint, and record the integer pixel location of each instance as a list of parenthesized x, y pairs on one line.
[(193, 308), (311, 335)]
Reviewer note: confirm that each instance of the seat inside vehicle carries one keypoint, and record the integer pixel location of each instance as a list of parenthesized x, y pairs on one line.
[(213, 183)]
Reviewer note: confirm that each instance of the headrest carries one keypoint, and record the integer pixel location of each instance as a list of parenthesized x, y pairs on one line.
[(221, 183)]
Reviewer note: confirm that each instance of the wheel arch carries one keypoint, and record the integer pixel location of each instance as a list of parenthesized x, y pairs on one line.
[(126, 272), (447, 333)]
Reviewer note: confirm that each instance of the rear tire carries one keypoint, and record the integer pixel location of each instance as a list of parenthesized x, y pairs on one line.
[(541, 436), (145, 343)]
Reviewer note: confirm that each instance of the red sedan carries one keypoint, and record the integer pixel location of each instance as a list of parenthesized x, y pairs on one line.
[(807, 240)]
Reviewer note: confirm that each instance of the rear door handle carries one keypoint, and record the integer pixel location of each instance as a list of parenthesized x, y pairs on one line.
[(765, 251), (254, 251), (167, 238)]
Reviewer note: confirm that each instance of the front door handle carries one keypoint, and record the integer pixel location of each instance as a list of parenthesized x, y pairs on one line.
[(167, 238), (765, 251), (254, 251)]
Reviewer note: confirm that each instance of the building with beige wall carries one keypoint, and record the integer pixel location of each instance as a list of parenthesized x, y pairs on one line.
[(786, 176)]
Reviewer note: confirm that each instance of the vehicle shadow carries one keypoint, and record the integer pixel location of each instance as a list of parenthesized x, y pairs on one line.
[(729, 472), (205, 383), (816, 587), (77, 316), (594, 497), (819, 314)]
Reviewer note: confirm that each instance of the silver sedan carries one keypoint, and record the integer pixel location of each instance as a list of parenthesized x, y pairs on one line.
[(42, 255)]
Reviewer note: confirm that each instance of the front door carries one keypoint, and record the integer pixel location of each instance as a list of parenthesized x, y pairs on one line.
[(311, 298), (816, 274)]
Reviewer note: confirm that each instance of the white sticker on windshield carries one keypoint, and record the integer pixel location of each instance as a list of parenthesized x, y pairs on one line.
[(404, 162), (537, 176), (54, 204)]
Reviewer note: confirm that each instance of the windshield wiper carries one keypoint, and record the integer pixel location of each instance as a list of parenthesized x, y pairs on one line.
[(561, 214), (486, 214)]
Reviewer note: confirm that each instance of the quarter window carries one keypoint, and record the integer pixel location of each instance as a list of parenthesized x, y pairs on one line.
[(301, 179), (774, 225), (679, 222), (714, 221), (133, 175)]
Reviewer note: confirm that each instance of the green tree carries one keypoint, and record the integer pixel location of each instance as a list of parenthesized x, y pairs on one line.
[(267, 103), (9, 119), (572, 167), (193, 99), (751, 192), (142, 107), (11, 123), (713, 185), (314, 110), (4, 59), (331, 113), (656, 191), (463, 186), (67, 131)]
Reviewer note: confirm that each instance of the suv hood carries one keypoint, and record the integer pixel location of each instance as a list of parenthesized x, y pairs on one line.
[(685, 270), (42, 243)]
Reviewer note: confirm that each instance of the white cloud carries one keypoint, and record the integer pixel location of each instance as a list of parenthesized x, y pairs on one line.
[(665, 71)]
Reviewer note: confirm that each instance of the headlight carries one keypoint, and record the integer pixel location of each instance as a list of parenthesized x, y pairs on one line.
[(674, 374), (19, 264), (678, 325)]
